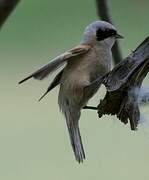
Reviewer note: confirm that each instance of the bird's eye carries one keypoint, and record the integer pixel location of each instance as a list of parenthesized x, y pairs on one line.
[(103, 34)]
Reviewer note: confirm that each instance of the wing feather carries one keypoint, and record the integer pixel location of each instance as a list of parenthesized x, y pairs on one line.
[(44, 71), (53, 84)]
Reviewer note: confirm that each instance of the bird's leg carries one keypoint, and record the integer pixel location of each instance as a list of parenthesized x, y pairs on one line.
[(90, 107)]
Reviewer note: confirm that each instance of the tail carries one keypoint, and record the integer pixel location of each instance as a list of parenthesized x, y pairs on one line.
[(76, 142), (72, 115)]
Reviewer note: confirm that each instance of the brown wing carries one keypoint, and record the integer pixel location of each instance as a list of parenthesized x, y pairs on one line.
[(44, 71)]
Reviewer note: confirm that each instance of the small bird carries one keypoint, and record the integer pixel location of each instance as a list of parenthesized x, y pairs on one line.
[(83, 64)]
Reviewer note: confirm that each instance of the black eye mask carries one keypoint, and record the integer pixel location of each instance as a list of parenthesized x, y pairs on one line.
[(103, 34)]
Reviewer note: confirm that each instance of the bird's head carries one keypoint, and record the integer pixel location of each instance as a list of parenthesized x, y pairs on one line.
[(100, 32)]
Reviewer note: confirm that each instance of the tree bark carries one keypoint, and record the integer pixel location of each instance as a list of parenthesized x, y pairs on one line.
[(123, 84)]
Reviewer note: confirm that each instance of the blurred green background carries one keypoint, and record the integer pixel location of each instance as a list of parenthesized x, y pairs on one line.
[(34, 142)]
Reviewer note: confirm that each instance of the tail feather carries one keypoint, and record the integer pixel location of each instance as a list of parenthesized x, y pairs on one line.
[(72, 117), (76, 143)]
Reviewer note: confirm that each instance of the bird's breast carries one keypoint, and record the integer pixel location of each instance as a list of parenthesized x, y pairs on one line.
[(81, 71)]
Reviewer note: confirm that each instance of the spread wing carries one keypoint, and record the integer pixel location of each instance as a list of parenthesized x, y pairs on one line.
[(57, 62)]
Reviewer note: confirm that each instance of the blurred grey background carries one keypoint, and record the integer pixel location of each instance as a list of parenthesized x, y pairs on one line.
[(34, 142)]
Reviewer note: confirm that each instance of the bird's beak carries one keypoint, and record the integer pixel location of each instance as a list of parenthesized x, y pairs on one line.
[(118, 36)]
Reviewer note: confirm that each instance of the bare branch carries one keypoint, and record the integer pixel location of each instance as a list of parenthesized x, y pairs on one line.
[(103, 13), (6, 7)]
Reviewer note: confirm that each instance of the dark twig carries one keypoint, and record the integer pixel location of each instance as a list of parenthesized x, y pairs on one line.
[(6, 7), (103, 13)]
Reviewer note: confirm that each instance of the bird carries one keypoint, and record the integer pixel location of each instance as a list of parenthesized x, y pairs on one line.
[(82, 64)]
